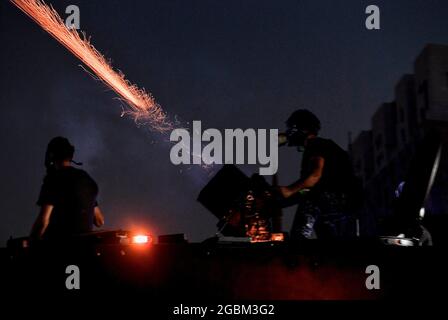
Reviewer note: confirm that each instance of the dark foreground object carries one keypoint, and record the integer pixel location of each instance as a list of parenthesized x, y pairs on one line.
[(211, 271)]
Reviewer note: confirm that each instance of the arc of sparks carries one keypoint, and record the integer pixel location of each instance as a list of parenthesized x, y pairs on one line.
[(142, 106)]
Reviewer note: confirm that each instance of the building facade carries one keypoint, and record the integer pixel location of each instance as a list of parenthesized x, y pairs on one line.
[(383, 154)]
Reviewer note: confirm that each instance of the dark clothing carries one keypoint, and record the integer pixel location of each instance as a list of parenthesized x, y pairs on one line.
[(323, 212), (322, 215), (73, 194), (337, 175)]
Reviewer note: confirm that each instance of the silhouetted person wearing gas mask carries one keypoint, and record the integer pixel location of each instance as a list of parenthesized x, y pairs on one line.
[(67, 198), (326, 185)]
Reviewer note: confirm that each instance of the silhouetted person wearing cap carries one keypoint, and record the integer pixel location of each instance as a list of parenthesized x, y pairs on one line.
[(67, 198), (327, 181)]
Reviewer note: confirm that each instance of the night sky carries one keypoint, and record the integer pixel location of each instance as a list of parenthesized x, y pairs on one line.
[(230, 64)]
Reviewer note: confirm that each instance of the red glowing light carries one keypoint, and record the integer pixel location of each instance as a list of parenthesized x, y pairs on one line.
[(141, 239)]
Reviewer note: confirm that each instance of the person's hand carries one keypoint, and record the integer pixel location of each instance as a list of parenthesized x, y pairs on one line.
[(284, 191)]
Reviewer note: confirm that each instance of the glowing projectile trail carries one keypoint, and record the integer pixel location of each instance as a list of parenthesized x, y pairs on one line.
[(142, 105)]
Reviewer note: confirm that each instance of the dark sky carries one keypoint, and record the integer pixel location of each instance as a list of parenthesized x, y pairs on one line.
[(230, 64)]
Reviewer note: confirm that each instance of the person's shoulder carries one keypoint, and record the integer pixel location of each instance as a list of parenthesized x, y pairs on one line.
[(316, 147), (79, 172), (327, 143), (337, 146), (319, 142), (324, 147), (82, 174)]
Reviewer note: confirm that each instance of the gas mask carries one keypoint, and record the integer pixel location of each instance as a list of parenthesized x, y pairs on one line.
[(294, 137)]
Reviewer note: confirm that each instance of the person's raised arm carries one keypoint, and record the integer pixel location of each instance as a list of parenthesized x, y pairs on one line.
[(310, 181)]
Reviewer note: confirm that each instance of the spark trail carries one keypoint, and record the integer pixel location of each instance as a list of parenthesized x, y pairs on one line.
[(142, 106)]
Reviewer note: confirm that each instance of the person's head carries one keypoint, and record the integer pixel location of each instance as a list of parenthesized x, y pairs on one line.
[(301, 125), (59, 153)]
